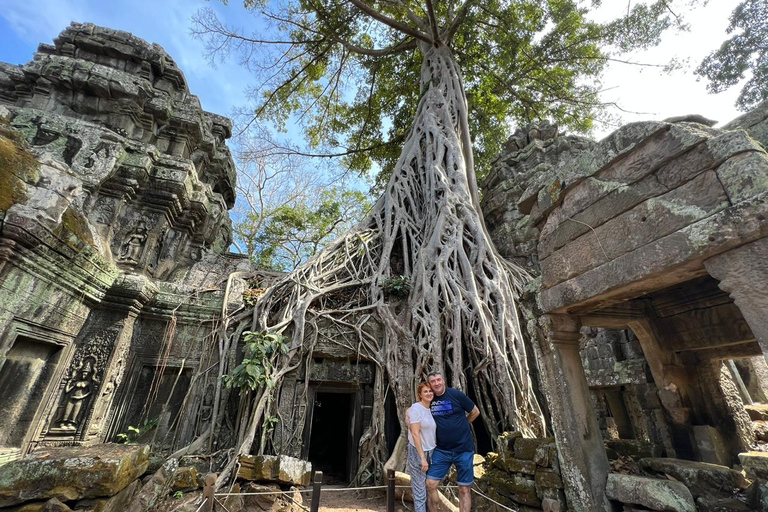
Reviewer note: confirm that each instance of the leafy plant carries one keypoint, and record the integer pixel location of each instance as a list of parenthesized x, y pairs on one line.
[(270, 422), (397, 286), (261, 351), (132, 435), (178, 495)]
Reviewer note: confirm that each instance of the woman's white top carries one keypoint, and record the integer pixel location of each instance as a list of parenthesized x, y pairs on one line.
[(428, 432)]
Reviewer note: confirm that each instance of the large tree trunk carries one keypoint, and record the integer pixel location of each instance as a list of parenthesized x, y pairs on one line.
[(460, 316)]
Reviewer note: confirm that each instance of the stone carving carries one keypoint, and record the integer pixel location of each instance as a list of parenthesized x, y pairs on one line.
[(81, 385), (105, 207), (206, 407), (157, 251), (77, 392), (133, 246)]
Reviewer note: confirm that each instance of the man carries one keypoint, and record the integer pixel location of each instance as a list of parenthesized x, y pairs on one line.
[(453, 411)]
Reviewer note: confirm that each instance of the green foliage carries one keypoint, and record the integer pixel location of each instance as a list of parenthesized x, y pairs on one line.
[(397, 286), (745, 51), (260, 354), (178, 495), (132, 435), (293, 233), (270, 422), (353, 83)]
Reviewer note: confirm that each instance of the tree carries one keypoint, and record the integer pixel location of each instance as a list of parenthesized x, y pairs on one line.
[(460, 314), (352, 82), (287, 211), (745, 51), (293, 234)]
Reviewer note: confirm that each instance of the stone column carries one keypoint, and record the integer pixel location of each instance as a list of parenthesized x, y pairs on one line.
[(87, 392), (725, 408), (743, 273), (674, 382), (584, 464), (125, 300)]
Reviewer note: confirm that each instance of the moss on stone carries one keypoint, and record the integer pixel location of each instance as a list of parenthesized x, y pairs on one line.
[(17, 166), (74, 224)]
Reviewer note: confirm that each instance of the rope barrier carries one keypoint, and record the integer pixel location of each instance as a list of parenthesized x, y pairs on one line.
[(325, 489), (493, 500)]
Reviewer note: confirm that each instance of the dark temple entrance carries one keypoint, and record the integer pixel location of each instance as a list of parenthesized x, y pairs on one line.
[(330, 443)]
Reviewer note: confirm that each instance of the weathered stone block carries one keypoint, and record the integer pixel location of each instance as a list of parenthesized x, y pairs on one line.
[(547, 479), (525, 491), (275, 468), (527, 467), (729, 504), (72, 473), (755, 464), (633, 448), (642, 267), (702, 479), (515, 487), (744, 175), (546, 455), (117, 503), (653, 493), (648, 221), (52, 505), (758, 496), (526, 448), (185, 479), (711, 446), (553, 500), (757, 412)]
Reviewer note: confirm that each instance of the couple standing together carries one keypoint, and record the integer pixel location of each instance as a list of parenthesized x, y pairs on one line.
[(439, 436)]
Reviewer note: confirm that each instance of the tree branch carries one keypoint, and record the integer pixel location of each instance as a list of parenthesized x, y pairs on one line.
[(433, 23), (386, 20)]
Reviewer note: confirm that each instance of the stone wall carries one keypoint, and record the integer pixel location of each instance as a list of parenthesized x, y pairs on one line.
[(641, 245), (114, 232), (523, 475)]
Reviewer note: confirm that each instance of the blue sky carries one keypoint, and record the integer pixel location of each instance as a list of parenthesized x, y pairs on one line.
[(26, 23), (647, 93)]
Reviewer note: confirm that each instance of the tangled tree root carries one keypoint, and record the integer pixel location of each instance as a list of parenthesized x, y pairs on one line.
[(460, 315)]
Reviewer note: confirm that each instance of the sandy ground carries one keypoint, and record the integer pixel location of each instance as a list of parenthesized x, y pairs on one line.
[(334, 499)]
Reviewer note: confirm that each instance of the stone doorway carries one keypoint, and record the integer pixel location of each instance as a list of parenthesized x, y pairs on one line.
[(154, 395), (334, 432), (24, 378)]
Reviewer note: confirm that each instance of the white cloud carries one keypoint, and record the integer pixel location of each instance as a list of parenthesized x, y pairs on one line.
[(651, 94), (39, 21)]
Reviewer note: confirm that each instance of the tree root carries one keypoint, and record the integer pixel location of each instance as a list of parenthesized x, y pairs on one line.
[(460, 316)]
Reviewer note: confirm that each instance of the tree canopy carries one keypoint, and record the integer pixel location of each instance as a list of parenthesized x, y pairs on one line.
[(745, 51), (348, 71), (287, 209)]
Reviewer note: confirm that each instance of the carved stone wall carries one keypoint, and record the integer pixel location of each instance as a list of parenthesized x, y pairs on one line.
[(648, 250), (114, 232)]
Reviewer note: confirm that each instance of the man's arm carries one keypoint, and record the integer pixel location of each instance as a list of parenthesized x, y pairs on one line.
[(473, 414)]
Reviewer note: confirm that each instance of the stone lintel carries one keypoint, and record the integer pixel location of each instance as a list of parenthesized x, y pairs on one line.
[(672, 259)]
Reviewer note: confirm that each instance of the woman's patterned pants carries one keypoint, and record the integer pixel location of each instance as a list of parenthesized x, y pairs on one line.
[(418, 478)]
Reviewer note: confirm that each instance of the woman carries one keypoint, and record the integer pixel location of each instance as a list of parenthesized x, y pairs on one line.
[(421, 442)]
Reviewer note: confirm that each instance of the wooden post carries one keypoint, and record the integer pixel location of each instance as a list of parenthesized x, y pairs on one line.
[(317, 484), (208, 491), (390, 490)]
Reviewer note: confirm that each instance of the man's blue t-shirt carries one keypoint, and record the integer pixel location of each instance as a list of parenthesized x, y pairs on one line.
[(450, 413)]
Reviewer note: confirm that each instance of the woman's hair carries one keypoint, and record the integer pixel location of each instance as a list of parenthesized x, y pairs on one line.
[(421, 387)]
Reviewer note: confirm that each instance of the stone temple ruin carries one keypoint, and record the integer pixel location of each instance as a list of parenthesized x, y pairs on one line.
[(647, 321), (113, 246)]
